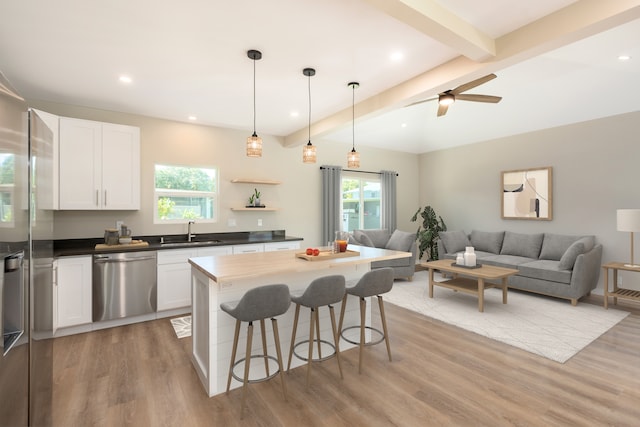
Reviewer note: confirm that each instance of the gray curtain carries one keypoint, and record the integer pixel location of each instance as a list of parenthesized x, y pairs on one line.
[(389, 211), (331, 195)]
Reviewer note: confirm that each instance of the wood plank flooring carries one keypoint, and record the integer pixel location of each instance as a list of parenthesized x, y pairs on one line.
[(141, 375)]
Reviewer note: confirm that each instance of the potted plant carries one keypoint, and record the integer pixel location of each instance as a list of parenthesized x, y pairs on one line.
[(256, 196), (427, 233)]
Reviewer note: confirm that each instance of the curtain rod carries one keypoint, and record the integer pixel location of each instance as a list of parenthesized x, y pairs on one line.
[(354, 170)]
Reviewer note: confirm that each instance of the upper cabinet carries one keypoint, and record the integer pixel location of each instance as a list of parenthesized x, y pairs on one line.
[(99, 165)]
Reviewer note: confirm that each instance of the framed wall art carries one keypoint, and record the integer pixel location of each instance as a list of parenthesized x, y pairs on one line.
[(526, 194)]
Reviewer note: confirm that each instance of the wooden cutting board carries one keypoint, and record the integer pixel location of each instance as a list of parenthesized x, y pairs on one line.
[(325, 255), (133, 245)]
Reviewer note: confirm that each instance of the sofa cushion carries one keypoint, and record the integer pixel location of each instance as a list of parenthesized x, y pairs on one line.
[(525, 245), (545, 269), (454, 241), (506, 261), (487, 241), (571, 254), (401, 241), (555, 245), (378, 237), (365, 240)]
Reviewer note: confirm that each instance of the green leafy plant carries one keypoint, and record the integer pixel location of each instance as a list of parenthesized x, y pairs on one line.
[(427, 233), (251, 200), (256, 193)]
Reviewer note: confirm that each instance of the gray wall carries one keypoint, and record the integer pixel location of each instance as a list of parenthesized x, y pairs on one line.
[(298, 197), (595, 172)]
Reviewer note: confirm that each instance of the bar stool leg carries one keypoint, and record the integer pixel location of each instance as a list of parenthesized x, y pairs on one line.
[(233, 353), (247, 362), (384, 325), (311, 327), (264, 346), (293, 335), (363, 307), (342, 309), (276, 337), (336, 338), (317, 310)]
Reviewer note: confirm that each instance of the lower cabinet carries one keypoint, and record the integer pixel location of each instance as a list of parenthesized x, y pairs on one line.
[(74, 290), (281, 246), (248, 249), (174, 275)]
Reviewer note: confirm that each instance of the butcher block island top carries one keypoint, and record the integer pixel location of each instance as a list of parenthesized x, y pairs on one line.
[(231, 267)]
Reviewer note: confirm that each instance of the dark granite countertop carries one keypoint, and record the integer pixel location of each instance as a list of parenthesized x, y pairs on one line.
[(71, 247)]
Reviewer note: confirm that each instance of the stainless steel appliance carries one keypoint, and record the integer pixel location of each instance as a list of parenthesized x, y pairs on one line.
[(26, 235), (124, 284)]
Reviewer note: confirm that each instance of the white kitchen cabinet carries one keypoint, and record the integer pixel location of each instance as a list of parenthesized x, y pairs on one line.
[(248, 249), (74, 290), (174, 274), (281, 246), (49, 179), (99, 165)]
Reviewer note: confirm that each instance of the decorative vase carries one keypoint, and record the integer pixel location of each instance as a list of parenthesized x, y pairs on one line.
[(257, 202), (469, 256), (460, 258)]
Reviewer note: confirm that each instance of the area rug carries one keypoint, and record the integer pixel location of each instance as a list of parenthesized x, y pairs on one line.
[(545, 326), (182, 326)]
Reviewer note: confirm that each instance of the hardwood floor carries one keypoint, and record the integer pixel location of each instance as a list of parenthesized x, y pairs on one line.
[(141, 375)]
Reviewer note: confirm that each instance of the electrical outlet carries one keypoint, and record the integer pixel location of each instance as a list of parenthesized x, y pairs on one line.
[(259, 223), (231, 222)]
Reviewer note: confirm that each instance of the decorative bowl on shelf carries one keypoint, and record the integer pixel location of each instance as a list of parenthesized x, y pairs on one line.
[(125, 240)]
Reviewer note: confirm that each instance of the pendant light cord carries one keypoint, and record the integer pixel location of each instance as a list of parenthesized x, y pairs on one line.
[(353, 117), (309, 79), (254, 96)]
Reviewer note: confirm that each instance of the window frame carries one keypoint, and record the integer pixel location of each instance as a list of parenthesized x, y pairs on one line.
[(362, 181)]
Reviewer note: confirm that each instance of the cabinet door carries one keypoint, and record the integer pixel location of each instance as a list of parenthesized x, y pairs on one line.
[(51, 198), (281, 246), (80, 164), (120, 167), (174, 286), (74, 291), (215, 250)]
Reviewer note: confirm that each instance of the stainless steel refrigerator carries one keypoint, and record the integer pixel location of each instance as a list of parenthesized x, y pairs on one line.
[(26, 252)]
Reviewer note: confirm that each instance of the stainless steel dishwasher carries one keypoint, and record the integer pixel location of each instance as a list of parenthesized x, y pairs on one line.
[(124, 284)]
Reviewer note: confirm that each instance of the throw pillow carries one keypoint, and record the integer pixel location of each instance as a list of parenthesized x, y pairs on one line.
[(378, 237), (569, 258), (555, 245), (454, 241), (365, 240), (487, 241), (525, 245), (401, 241)]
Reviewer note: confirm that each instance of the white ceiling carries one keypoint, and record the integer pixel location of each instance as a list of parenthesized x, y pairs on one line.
[(556, 62)]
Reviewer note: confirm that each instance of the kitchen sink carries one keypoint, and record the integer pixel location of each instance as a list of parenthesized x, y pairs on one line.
[(183, 243)]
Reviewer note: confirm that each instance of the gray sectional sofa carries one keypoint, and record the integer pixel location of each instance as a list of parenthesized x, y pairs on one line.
[(397, 241), (551, 264)]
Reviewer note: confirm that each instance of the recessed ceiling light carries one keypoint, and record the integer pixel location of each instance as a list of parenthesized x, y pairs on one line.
[(193, 118), (404, 125), (294, 114), (396, 56), (624, 57), (126, 79)]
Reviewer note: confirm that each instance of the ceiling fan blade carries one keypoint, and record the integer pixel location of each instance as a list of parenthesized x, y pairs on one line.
[(479, 98), (421, 102), (442, 110), (477, 82)]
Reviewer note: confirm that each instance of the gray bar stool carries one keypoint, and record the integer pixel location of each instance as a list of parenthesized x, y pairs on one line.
[(372, 283), (257, 304), (323, 291)]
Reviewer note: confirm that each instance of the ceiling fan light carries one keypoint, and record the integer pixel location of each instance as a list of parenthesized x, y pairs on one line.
[(446, 99), (254, 146), (309, 153)]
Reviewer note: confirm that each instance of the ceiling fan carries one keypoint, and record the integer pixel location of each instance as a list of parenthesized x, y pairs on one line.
[(448, 97)]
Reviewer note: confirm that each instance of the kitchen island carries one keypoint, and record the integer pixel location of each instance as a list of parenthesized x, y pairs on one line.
[(218, 279)]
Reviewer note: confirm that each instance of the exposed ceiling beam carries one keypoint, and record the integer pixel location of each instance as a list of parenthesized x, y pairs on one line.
[(575, 22), (433, 20)]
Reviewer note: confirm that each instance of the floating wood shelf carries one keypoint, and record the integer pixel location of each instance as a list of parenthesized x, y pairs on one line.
[(254, 209), (255, 181)]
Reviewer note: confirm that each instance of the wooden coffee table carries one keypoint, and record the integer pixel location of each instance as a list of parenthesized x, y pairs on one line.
[(475, 281)]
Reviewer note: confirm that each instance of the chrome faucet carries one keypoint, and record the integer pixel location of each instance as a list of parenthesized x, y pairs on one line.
[(189, 235)]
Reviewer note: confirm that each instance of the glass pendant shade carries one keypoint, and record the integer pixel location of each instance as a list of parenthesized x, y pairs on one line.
[(309, 153), (254, 146), (353, 159)]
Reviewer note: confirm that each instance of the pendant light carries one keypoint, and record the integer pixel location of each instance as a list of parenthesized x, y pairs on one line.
[(254, 142), (353, 157), (309, 151)]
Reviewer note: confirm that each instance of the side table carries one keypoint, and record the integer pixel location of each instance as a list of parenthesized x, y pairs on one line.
[(617, 291)]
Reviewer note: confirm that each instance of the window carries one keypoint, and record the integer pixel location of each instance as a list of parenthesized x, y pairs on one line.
[(184, 193), (360, 203)]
